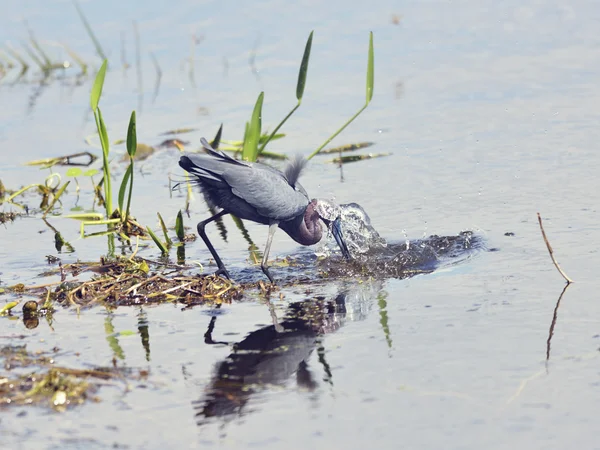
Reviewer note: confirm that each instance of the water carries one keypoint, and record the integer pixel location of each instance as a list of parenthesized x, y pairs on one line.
[(373, 256), (490, 112), (360, 236)]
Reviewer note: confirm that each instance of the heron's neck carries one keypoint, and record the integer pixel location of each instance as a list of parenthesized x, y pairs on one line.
[(306, 229)]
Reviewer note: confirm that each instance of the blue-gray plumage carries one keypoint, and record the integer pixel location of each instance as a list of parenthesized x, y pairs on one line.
[(259, 193)]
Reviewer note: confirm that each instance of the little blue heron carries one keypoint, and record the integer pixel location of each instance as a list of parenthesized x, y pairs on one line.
[(262, 194)]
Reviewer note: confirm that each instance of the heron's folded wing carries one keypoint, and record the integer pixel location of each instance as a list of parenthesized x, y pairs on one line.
[(267, 190), (209, 167)]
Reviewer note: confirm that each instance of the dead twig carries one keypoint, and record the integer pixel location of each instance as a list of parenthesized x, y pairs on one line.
[(564, 275)]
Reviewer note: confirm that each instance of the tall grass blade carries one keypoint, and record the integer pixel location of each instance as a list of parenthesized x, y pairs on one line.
[(132, 136), (304, 68), (164, 230), (370, 84), (89, 31), (370, 70), (97, 87), (157, 241), (251, 141), (123, 189), (299, 90), (105, 163), (131, 149), (179, 230)]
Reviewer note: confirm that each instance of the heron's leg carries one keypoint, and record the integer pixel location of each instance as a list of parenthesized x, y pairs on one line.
[(263, 265), (222, 270)]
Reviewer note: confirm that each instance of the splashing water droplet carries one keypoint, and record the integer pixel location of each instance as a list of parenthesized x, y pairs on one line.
[(359, 234)]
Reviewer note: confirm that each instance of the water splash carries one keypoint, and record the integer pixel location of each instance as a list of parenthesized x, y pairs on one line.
[(373, 256), (360, 236)]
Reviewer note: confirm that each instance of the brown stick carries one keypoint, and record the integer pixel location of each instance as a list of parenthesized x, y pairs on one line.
[(564, 275)]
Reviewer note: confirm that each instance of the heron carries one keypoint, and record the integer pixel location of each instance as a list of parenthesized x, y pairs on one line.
[(262, 194)]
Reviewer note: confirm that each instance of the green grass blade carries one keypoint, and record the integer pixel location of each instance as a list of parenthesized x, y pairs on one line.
[(164, 230), (370, 83), (105, 163), (103, 135), (97, 87), (370, 70), (157, 241), (299, 90), (273, 134), (251, 141), (132, 136), (179, 230), (304, 68), (123, 189), (130, 190)]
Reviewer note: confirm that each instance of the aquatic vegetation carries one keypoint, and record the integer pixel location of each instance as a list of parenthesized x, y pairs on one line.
[(50, 192), (90, 32), (369, 96), (356, 158), (39, 381), (119, 220), (252, 136)]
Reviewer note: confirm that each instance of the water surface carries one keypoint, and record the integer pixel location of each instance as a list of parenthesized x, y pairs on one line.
[(490, 113)]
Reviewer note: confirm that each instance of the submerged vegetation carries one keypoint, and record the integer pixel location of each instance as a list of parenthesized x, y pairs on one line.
[(35, 379)]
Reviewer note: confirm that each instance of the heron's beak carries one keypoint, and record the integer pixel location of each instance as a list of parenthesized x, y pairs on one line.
[(336, 230)]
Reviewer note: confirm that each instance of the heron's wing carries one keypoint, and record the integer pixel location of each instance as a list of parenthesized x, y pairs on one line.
[(264, 188), (219, 154), (267, 190)]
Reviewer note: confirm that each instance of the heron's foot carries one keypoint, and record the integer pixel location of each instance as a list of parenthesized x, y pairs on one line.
[(222, 271)]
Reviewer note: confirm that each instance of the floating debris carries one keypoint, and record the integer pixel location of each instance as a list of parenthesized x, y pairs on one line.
[(142, 152), (67, 160), (178, 131), (173, 143), (346, 148), (355, 158), (8, 216)]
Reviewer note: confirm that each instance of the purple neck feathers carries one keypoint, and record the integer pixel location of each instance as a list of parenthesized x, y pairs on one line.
[(307, 229)]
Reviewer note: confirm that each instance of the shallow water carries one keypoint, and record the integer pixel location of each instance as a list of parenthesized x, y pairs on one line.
[(490, 113)]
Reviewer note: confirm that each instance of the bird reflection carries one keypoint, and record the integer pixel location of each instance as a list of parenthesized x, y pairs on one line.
[(273, 355)]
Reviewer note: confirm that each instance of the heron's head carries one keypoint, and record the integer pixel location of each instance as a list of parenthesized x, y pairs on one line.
[(331, 215)]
